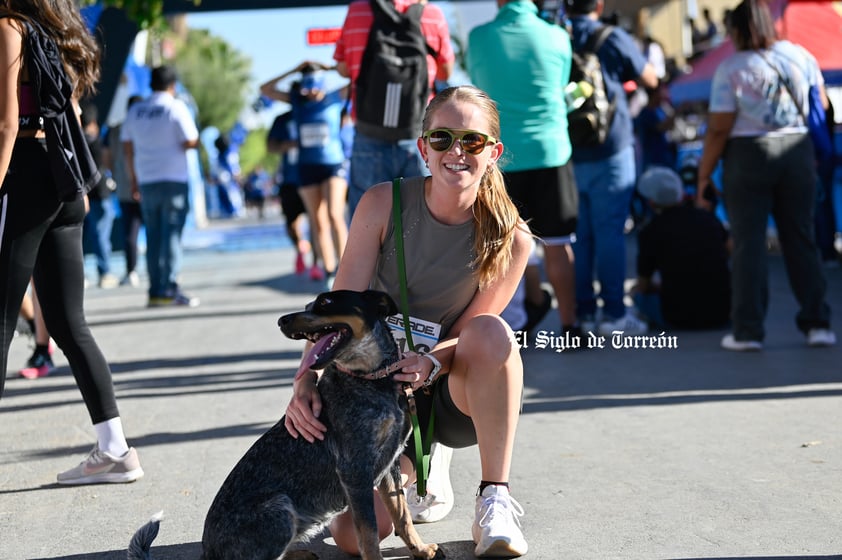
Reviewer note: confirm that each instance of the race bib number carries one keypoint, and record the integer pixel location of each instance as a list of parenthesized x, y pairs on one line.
[(314, 135), (425, 334)]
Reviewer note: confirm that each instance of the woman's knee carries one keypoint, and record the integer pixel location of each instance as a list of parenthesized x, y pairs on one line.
[(487, 337)]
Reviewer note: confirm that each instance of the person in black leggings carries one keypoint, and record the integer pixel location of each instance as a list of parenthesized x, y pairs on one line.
[(41, 226)]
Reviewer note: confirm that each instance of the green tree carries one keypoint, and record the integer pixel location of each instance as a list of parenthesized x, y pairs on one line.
[(216, 75), (253, 153)]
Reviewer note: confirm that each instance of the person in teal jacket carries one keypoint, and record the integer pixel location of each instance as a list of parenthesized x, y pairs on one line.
[(523, 62)]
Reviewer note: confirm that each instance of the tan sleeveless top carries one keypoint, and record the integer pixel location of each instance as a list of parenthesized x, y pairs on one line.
[(441, 281)]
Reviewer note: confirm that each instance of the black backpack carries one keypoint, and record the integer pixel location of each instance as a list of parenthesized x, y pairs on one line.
[(393, 87), (589, 124)]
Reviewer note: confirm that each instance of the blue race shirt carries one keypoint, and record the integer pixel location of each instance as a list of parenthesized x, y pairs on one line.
[(319, 123)]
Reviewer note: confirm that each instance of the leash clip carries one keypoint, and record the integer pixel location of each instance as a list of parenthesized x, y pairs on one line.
[(410, 399)]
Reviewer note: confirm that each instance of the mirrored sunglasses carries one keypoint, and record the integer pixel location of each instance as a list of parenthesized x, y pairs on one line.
[(472, 142)]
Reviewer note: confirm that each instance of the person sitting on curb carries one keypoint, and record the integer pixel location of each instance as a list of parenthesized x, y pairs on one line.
[(687, 248)]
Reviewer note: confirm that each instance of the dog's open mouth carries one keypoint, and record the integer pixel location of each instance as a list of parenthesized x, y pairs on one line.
[(326, 343)]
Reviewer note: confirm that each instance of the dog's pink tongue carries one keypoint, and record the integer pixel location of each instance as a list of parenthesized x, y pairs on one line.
[(313, 354)]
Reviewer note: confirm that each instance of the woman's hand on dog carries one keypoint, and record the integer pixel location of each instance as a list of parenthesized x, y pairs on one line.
[(413, 369), (302, 415)]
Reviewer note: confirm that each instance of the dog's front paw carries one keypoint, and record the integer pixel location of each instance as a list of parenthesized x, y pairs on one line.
[(430, 552)]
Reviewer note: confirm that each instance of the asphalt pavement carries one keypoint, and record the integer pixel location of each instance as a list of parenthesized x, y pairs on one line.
[(685, 453)]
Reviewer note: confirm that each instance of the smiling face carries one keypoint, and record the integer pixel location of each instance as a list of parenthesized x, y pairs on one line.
[(454, 165)]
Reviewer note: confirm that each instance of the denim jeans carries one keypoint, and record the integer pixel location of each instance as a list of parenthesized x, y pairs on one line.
[(605, 191), (374, 161), (97, 229), (164, 206)]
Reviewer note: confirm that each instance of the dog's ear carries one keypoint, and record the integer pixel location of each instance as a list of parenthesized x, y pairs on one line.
[(385, 304)]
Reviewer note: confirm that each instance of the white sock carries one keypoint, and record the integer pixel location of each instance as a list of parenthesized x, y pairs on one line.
[(110, 437)]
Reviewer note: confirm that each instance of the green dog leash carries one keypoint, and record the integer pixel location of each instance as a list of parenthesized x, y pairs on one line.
[(422, 445)]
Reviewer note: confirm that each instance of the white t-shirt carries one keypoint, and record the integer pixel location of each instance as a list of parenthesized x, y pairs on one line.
[(748, 84), (158, 129)]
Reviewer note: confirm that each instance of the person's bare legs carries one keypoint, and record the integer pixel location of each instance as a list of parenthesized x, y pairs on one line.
[(344, 535), (336, 194), (42, 335), (27, 311), (316, 207), (559, 264), (486, 383)]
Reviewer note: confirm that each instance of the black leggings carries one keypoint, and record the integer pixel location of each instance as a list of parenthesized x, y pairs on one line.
[(132, 220), (41, 238)]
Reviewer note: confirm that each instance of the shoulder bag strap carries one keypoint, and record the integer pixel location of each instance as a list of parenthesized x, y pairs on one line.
[(785, 82), (598, 37), (416, 11)]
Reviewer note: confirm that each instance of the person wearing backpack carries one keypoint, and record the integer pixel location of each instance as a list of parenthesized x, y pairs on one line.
[(387, 130), (533, 117), (605, 170)]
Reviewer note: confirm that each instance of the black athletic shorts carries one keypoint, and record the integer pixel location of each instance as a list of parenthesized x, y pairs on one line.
[(450, 426), (311, 174), (547, 199)]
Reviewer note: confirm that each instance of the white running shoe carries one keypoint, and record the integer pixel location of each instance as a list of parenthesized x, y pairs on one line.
[(627, 324), (101, 467), (731, 343), (821, 337), (439, 499), (131, 279), (496, 528)]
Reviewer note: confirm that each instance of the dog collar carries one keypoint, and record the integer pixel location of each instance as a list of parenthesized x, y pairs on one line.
[(379, 374)]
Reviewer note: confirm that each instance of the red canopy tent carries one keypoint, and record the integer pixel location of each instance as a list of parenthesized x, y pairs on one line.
[(816, 25)]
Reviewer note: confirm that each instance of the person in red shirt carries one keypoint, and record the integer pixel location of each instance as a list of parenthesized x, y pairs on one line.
[(385, 160)]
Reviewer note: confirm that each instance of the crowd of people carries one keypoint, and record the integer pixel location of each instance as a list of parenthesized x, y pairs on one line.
[(495, 195)]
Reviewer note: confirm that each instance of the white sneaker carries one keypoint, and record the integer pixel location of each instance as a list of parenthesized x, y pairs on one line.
[(731, 343), (108, 281), (496, 528), (821, 337), (101, 467), (628, 324), (131, 279), (439, 499)]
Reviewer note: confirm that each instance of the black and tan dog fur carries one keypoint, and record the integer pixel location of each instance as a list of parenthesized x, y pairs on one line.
[(285, 490)]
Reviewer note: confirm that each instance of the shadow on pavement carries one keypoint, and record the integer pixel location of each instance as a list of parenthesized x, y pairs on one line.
[(325, 551)]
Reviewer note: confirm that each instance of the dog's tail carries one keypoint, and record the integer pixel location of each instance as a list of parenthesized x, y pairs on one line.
[(142, 540)]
